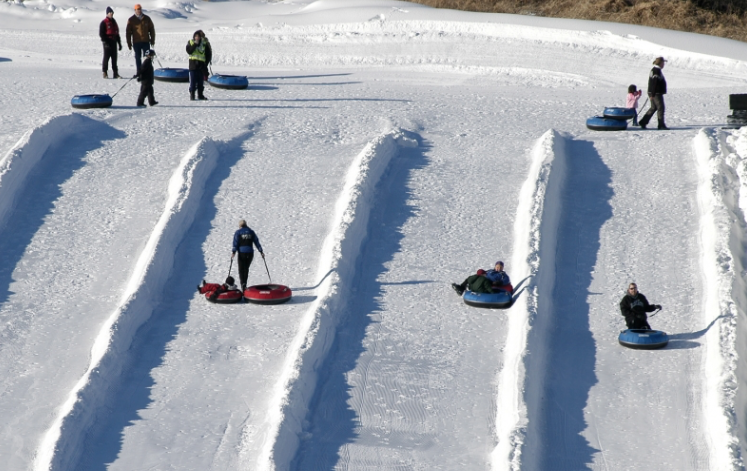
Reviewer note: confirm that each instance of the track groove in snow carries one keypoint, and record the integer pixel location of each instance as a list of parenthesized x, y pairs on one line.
[(340, 252), (75, 416)]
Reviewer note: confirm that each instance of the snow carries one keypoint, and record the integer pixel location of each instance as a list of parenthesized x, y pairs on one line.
[(383, 151)]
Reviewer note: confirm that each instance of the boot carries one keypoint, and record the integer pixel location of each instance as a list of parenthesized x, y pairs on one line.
[(200, 96), (192, 96), (457, 288), (662, 126), (116, 75), (106, 75)]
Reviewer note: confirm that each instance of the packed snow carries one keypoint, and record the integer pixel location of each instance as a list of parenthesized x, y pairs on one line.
[(383, 151)]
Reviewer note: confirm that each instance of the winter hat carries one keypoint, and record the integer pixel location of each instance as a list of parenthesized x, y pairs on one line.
[(137, 7), (109, 10), (150, 52), (480, 271)]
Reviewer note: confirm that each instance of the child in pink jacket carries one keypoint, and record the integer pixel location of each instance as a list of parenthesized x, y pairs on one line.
[(633, 95)]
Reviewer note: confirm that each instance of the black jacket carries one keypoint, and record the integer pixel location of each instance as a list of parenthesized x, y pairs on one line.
[(632, 304), (656, 82), (146, 71)]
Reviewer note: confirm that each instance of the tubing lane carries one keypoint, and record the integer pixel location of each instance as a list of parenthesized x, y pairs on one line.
[(28, 152), (722, 252), (535, 240), (62, 441), (340, 253)]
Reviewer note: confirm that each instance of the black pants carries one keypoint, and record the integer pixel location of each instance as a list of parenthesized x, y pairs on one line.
[(245, 261), (110, 51), (657, 106), (637, 322), (146, 90)]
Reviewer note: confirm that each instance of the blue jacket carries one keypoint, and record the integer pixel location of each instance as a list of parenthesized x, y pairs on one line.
[(243, 240), (498, 277)]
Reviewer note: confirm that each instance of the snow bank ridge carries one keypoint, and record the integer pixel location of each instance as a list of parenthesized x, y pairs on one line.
[(535, 235), (28, 152), (60, 450), (722, 249), (340, 254)]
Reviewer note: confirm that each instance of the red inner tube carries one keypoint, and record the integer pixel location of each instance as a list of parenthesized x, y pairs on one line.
[(267, 292)]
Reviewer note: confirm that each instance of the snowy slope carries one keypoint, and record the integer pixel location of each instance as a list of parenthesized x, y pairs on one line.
[(383, 151)]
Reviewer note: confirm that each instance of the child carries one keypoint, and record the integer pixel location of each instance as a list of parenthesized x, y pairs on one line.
[(212, 290), (146, 80), (633, 95)]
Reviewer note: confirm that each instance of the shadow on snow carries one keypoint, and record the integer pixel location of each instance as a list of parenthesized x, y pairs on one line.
[(43, 187), (331, 423), (103, 442), (571, 351)]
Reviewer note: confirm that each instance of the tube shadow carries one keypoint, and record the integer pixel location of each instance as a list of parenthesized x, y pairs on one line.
[(42, 188), (331, 423), (571, 351), (5, 59), (103, 441), (284, 77), (695, 335)]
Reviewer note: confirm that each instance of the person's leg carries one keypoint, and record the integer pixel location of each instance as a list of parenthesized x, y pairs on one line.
[(115, 68), (200, 85), (660, 110), (650, 113), (193, 83), (143, 94), (151, 99), (139, 50), (245, 261), (105, 62)]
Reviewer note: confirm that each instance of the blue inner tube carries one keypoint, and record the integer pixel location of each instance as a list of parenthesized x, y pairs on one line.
[(231, 82), (600, 123), (171, 75), (642, 339), (498, 300), (91, 101), (619, 113)]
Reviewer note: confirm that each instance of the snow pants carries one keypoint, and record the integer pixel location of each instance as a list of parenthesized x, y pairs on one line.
[(657, 106), (245, 261), (146, 90), (110, 52)]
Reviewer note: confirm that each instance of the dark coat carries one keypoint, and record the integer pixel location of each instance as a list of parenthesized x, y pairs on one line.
[(140, 30), (111, 39), (243, 239), (657, 84), (146, 72), (630, 306)]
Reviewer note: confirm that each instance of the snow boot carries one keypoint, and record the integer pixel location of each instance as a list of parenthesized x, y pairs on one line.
[(192, 96), (106, 75), (200, 96), (662, 126), (458, 289), (117, 76)]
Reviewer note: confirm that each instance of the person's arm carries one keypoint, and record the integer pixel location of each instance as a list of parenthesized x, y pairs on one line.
[(102, 31), (625, 308), (152, 31), (128, 34), (191, 46), (235, 243), (257, 244)]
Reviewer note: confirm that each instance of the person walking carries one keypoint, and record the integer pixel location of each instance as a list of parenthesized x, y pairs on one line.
[(146, 80), (657, 88), (140, 34), (632, 101), (109, 34), (198, 49), (243, 239)]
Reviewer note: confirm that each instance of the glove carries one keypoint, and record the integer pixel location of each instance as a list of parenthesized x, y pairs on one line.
[(262, 254), (657, 306), (120, 47), (130, 47), (138, 79)]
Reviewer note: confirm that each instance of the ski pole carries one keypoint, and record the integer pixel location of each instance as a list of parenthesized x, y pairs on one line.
[(120, 88), (268, 270)]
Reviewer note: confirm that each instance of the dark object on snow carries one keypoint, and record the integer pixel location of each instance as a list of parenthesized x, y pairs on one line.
[(600, 123), (500, 298), (643, 339), (172, 75), (619, 113), (85, 102), (268, 294), (738, 105), (230, 82)]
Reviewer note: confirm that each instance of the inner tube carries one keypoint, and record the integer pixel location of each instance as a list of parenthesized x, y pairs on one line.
[(619, 113), (268, 294), (600, 123), (226, 297), (501, 299), (230, 82), (84, 102), (643, 339), (171, 75)]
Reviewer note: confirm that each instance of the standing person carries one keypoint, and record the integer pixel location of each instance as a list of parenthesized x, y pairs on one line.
[(197, 48), (109, 34), (140, 34), (634, 307), (632, 101), (146, 80), (243, 239), (657, 88)]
